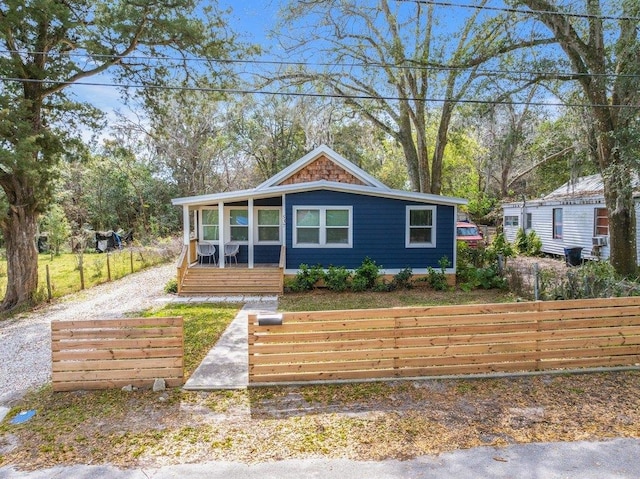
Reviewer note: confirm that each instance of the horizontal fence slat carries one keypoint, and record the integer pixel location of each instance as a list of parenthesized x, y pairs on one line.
[(116, 343), (103, 333), (76, 324), (114, 374), (59, 366), (141, 353)]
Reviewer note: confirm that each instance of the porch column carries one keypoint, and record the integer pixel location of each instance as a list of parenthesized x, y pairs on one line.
[(185, 225), (221, 229), (250, 231)]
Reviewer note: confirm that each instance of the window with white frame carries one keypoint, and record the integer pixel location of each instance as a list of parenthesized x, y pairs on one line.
[(528, 221), (238, 224), (420, 226), (268, 225), (511, 221), (322, 226), (210, 226)]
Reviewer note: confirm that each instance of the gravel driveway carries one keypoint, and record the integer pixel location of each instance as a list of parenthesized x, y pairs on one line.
[(25, 349)]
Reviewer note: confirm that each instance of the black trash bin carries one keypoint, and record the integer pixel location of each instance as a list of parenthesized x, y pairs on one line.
[(573, 256)]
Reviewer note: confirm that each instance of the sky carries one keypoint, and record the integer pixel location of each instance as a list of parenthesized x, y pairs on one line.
[(250, 19)]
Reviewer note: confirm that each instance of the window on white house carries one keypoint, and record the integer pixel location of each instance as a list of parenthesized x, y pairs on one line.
[(529, 221), (601, 222), (557, 223), (322, 227), (268, 225), (511, 221), (420, 224), (210, 227), (239, 224)]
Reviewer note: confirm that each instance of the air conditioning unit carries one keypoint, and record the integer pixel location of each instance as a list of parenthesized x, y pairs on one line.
[(599, 241)]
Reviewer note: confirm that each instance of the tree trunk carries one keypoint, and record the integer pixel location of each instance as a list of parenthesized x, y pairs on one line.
[(622, 231), (20, 227)]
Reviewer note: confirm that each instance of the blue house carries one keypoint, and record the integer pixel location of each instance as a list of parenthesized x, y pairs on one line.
[(323, 210)]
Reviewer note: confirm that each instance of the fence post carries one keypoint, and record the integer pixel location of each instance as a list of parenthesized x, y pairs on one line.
[(49, 295), (81, 268), (108, 267), (131, 260), (536, 281)]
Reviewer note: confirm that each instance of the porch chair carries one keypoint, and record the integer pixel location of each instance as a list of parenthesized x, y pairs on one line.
[(206, 250), (231, 251)]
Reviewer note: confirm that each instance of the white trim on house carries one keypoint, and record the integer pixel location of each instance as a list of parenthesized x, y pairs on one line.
[(244, 195)]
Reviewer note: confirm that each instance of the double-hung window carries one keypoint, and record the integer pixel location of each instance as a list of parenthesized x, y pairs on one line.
[(322, 227), (268, 225), (238, 224), (421, 226), (210, 227)]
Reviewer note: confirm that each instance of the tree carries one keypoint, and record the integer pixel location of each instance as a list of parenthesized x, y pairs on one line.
[(48, 45), (390, 63), (57, 227), (602, 53)]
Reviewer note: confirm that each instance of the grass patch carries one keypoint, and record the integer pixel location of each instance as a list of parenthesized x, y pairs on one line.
[(65, 274), (203, 326), (323, 299)]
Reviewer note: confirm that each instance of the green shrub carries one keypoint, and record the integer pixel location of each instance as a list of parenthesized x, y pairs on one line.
[(528, 244), (534, 244), (499, 247), (359, 284), (520, 241), (402, 280), (307, 278), (366, 274), (337, 278), (171, 287), (438, 279), (594, 279)]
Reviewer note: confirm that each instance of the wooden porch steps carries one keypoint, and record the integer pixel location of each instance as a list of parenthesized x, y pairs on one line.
[(232, 280)]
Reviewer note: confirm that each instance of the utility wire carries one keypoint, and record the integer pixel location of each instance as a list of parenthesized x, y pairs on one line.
[(413, 66), (517, 10), (241, 91)]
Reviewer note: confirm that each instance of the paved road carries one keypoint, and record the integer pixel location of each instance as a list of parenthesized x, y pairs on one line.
[(615, 459)]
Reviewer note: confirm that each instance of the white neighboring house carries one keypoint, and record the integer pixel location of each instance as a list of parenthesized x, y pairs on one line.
[(573, 216)]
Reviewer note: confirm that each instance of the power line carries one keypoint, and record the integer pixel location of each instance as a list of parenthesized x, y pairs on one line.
[(517, 10), (241, 91), (405, 66)]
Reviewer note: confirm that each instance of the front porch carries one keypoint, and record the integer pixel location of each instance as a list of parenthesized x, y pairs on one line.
[(195, 279)]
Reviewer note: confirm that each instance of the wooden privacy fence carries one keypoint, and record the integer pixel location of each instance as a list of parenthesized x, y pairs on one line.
[(111, 353), (442, 340)]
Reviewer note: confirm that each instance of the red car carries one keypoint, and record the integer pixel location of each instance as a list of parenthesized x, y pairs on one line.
[(469, 233)]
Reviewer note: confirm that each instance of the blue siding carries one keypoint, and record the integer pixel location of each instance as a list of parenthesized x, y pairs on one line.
[(266, 254), (378, 232)]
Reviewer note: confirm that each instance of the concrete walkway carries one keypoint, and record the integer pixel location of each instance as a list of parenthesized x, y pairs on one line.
[(227, 364)]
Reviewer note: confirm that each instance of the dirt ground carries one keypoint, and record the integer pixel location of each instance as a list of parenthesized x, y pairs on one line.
[(371, 421)]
